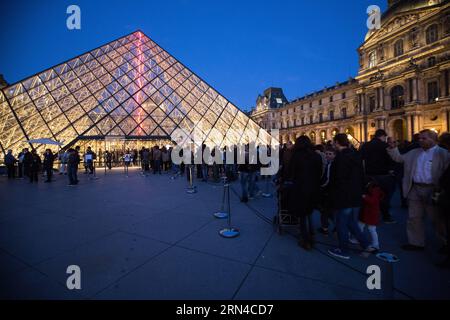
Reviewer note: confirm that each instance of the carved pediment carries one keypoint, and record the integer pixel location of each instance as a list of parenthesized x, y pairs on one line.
[(397, 23)]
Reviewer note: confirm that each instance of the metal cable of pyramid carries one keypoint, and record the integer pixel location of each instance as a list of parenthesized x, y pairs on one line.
[(129, 88)]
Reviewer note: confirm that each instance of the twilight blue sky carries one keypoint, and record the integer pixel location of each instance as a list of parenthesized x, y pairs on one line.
[(238, 47)]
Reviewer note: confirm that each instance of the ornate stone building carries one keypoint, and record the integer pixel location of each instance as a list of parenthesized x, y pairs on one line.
[(402, 84)]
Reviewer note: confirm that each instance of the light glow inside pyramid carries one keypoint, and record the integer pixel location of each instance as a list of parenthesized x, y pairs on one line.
[(129, 88)]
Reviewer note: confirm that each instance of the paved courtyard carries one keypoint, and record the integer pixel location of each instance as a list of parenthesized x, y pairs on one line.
[(146, 238)]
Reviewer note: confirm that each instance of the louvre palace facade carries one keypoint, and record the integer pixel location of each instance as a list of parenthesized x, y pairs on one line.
[(402, 84)]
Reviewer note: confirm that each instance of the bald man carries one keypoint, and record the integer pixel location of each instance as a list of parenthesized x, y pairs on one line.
[(423, 167)]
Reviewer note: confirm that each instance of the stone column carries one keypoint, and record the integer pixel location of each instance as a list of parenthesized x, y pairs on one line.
[(420, 91), (382, 98)]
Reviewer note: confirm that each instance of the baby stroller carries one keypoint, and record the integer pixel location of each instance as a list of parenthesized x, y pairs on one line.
[(283, 218)]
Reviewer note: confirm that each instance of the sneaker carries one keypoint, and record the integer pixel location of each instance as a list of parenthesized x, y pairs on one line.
[(336, 252), (353, 241), (411, 247), (368, 251), (323, 231)]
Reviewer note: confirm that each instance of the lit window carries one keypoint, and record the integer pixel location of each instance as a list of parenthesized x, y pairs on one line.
[(372, 59)]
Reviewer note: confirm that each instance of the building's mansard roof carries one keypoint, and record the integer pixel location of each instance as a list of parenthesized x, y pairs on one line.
[(130, 87)]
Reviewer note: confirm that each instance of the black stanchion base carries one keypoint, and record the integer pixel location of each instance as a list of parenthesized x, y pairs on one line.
[(221, 215), (229, 233)]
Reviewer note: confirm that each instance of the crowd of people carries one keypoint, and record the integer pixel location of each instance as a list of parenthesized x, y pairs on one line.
[(353, 189), (30, 165)]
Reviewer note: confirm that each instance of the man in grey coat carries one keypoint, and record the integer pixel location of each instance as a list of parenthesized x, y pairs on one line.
[(423, 167)]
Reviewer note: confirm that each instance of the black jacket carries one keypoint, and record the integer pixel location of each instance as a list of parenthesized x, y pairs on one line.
[(346, 180), (48, 160), (73, 159), (305, 170), (27, 159), (377, 160), (35, 162)]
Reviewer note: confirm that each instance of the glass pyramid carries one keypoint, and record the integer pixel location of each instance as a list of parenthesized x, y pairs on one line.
[(130, 87)]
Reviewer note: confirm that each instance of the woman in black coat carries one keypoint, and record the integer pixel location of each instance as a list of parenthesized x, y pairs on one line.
[(35, 166), (49, 158), (305, 171)]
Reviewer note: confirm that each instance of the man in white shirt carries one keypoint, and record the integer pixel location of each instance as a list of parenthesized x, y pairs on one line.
[(423, 168)]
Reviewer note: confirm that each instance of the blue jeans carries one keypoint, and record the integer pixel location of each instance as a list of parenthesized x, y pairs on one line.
[(248, 184), (347, 221), (72, 174), (245, 182), (205, 172)]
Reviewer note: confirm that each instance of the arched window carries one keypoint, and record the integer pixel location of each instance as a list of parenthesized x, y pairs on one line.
[(398, 48), (323, 136), (432, 34), (372, 59), (312, 136), (334, 132), (397, 98)]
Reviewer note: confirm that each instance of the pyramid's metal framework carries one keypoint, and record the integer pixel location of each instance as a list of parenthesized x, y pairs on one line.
[(131, 88)]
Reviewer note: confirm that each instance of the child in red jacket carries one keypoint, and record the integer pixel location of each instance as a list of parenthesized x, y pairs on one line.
[(370, 212)]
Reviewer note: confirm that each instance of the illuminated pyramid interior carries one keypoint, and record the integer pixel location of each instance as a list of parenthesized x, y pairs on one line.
[(130, 88)]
